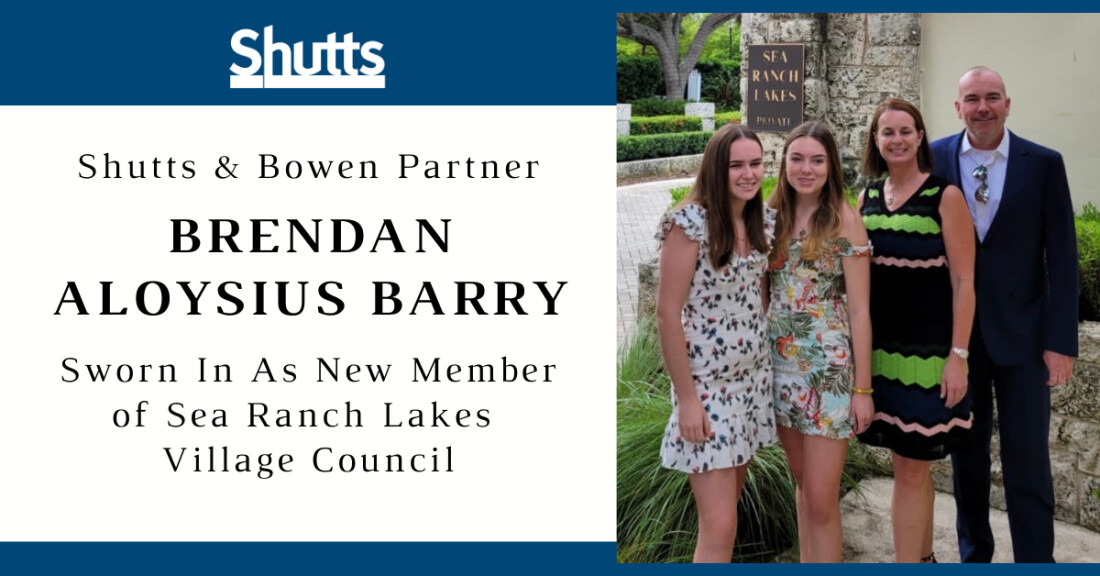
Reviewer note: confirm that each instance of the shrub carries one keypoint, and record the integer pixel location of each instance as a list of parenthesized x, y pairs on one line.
[(657, 107), (1090, 213), (768, 186), (1088, 257), (678, 194), (661, 145), (723, 118), (721, 83), (665, 124), (639, 77)]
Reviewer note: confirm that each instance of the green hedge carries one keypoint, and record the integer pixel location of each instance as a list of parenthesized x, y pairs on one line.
[(723, 118), (1088, 258), (650, 107), (661, 145), (665, 124), (677, 123), (639, 77), (657, 107)]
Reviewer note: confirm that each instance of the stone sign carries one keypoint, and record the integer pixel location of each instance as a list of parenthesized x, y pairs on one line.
[(775, 97)]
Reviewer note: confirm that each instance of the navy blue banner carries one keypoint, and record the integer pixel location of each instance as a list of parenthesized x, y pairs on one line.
[(528, 558), (169, 558), (148, 53)]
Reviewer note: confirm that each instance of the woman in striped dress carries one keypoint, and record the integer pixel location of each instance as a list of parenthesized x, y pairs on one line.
[(922, 307)]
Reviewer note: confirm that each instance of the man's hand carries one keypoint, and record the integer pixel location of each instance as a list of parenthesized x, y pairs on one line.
[(1059, 367)]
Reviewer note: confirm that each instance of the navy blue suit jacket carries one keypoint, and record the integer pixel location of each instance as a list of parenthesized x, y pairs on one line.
[(1026, 275)]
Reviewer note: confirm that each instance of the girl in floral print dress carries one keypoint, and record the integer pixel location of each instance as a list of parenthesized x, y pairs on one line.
[(710, 316), (819, 329)]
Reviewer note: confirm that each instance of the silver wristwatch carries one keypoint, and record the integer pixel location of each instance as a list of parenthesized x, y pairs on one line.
[(960, 352)]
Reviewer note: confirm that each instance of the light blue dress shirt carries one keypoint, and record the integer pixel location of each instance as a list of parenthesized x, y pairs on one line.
[(996, 163)]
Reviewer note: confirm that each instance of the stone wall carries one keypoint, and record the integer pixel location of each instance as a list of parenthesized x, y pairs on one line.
[(853, 62), (1075, 436), (1074, 428)]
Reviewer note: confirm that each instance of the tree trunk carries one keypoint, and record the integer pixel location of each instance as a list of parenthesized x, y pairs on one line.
[(670, 57), (674, 88)]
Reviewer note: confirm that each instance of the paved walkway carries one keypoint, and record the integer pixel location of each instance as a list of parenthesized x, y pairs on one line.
[(640, 207), (868, 535)]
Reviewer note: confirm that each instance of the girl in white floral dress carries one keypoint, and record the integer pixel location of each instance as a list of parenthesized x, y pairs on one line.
[(710, 315), (820, 330)]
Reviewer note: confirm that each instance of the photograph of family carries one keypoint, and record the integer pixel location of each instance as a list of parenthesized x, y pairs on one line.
[(859, 287)]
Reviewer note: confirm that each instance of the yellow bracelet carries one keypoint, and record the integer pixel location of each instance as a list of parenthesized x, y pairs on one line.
[(863, 390)]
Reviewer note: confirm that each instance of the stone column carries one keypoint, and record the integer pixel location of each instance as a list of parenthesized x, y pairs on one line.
[(623, 124), (704, 110), (870, 58)]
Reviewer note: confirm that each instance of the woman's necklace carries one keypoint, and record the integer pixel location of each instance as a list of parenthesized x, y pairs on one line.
[(892, 194), (802, 229)]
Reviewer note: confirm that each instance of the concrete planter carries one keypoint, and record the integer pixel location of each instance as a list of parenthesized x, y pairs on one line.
[(659, 168)]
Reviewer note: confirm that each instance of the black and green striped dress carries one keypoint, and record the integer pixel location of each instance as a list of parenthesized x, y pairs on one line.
[(911, 325)]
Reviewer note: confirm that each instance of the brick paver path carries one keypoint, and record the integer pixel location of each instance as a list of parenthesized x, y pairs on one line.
[(640, 207)]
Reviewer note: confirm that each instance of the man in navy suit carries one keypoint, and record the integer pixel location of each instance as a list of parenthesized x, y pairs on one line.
[(1025, 331)]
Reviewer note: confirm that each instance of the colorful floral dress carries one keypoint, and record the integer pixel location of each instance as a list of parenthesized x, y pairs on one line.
[(726, 342), (811, 343)]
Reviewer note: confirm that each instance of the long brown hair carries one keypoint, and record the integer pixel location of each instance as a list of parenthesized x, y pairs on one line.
[(712, 192), (874, 165), (826, 220)]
